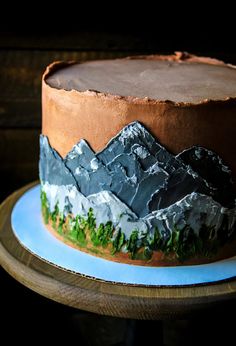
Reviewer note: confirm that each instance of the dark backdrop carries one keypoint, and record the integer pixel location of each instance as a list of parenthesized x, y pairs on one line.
[(24, 54)]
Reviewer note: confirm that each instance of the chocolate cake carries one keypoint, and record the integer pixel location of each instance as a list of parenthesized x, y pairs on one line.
[(137, 158)]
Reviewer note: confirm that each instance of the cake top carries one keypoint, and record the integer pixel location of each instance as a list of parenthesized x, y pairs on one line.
[(158, 78)]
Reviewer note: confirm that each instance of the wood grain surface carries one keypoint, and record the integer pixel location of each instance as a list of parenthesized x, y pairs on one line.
[(96, 296)]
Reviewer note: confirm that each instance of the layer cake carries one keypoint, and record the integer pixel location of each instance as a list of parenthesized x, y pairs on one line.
[(137, 158)]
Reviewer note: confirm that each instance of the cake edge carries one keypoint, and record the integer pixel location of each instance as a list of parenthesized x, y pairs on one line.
[(176, 57)]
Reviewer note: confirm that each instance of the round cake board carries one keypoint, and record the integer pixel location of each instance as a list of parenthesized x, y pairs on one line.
[(29, 229)]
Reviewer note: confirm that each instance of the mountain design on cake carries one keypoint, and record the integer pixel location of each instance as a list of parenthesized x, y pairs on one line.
[(135, 167), (194, 210), (138, 187)]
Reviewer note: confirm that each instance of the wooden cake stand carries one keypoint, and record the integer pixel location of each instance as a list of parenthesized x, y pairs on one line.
[(104, 298)]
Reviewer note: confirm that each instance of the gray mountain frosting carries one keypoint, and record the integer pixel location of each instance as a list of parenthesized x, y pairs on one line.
[(194, 210), (137, 184), (138, 170)]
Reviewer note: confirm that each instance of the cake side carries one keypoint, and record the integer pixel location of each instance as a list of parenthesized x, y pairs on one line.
[(134, 201), (140, 180)]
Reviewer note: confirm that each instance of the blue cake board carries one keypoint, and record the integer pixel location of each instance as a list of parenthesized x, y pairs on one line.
[(29, 229)]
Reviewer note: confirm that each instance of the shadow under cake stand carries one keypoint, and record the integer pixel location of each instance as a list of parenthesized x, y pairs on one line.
[(106, 298)]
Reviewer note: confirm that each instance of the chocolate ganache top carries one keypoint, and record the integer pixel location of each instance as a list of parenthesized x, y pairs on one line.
[(177, 81), (181, 99)]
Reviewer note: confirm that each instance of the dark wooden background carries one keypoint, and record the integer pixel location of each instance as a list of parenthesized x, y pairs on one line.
[(23, 58)]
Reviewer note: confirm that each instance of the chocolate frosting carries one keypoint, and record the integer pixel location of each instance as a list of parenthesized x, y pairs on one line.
[(117, 184), (178, 81), (201, 112)]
